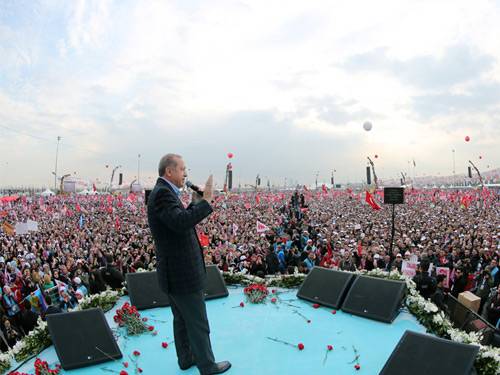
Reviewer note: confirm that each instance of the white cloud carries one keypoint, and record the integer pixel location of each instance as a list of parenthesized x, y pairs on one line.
[(119, 78)]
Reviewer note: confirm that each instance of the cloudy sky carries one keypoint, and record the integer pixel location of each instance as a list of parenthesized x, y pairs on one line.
[(285, 86)]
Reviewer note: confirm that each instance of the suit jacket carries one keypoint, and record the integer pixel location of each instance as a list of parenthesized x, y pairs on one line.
[(179, 256)]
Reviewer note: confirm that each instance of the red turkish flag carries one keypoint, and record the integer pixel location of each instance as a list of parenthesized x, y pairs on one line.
[(204, 240), (369, 199)]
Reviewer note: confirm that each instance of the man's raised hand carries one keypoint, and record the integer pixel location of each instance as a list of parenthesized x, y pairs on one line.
[(208, 192)]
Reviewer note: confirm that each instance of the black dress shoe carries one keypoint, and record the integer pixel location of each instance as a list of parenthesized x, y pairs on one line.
[(218, 368)]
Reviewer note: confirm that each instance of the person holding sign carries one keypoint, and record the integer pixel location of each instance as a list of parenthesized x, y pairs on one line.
[(180, 264)]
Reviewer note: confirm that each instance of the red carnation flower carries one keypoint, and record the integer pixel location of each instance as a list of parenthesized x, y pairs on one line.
[(151, 328), (123, 372), (164, 345), (155, 333), (242, 304), (273, 291), (125, 364), (334, 312), (144, 319), (139, 369), (357, 366), (329, 347), (300, 346), (137, 353), (273, 300), (316, 305)]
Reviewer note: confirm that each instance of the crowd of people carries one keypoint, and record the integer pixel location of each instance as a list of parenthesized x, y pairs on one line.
[(85, 244)]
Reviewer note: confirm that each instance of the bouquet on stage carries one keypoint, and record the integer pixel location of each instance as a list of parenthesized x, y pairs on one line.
[(128, 316), (256, 293)]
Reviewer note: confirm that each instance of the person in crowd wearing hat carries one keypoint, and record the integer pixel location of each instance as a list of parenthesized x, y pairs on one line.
[(397, 264), (80, 289)]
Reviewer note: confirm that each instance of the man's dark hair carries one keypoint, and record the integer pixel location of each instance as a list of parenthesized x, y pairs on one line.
[(424, 265), (440, 278)]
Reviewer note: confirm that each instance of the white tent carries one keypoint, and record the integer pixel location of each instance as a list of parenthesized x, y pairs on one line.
[(136, 187), (87, 192), (47, 193)]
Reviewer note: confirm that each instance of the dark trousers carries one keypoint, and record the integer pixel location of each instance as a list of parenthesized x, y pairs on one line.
[(191, 330)]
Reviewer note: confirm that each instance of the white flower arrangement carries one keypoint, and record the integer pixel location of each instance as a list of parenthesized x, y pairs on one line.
[(5, 361), (39, 338)]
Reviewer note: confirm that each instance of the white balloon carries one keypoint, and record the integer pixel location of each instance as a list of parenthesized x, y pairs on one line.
[(367, 126)]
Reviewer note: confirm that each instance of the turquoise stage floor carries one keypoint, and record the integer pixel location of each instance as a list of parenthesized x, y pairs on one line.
[(239, 335)]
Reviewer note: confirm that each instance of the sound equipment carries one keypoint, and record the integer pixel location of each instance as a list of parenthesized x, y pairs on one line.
[(375, 298), (470, 172), (394, 195), (145, 293), (120, 178), (368, 176), (467, 320), (195, 188), (326, 287), (229, 179), (146, 195), (417, 354), (144, 290), (82, 338), (216, 286)]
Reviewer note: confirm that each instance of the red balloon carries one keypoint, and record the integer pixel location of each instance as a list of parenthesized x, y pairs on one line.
[(467, 139), (230, 155)]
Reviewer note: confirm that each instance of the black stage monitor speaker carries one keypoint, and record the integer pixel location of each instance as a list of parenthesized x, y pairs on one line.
[(394, 195), (417, 354), (144, 290), (375, 298), (326, 287), (82, 338), (216, 286), (368, 176), (229, 179), (145, 293)]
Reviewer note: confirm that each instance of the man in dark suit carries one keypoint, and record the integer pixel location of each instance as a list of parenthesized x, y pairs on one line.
[(180, 265)]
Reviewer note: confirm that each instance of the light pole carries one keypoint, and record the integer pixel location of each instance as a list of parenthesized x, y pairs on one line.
[(113, 175), (55, 170), (453, 151), (139, 168)]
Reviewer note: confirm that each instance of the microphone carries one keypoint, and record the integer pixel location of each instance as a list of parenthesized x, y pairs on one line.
[(195, 188)]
